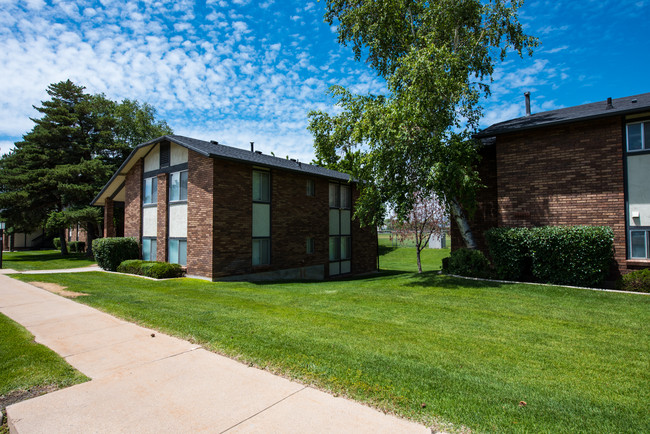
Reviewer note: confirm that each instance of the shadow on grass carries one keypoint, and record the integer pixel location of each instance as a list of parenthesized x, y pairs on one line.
[(433, 279), (43, 257), (382, 250)]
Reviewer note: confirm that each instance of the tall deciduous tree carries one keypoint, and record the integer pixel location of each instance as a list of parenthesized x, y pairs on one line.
[(437, 58), (427, 218), (71, 152)]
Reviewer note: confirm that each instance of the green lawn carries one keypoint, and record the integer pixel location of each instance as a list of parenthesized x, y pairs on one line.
[(25, 364), (43, 260), (470, 351)]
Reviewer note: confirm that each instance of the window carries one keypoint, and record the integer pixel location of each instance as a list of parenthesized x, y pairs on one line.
[(178, 251), (261, 218), (261, 186), (311, 187), (310, 245), (149, 247), (261, 251), (638, 136), (639, 244), (178, 186), (340, 242), (150, 191), (637, 179)]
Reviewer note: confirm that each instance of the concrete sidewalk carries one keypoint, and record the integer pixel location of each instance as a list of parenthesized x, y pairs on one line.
[(148, 384)]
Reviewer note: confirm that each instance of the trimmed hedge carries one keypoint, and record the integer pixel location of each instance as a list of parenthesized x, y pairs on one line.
[(111, 252), (637, 281), (467, 262), (509, 252), (57, 243), (572, 255), (76, 246), (566, 255), (158, 270)]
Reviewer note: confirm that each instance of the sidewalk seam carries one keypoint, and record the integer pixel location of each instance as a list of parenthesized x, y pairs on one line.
[(263, 410)]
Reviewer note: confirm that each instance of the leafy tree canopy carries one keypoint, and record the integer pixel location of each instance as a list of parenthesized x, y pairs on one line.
[(437, 59), (69, 155)]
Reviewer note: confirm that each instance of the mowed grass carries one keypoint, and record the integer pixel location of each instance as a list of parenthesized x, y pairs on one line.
[(469, 351), (24, 364), (44, 260)]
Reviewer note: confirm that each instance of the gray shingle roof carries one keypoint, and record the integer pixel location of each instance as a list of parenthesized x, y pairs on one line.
[(215, 150), (626, 105)]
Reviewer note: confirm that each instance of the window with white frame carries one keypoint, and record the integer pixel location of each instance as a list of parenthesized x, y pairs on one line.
[(177, 251), (149, 247), (150, 190), (261, 218), (178, 186), (340, 240), (637, 179), (638, 136)]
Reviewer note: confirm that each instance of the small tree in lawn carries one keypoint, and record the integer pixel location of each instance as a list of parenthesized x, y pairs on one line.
[(427, 218)]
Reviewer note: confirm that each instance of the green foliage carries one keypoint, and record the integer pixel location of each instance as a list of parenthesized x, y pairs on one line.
[(571, 255), (111, 252), (509, 252), (57, 243), (437, 59), (468, 262), (636, 281), (69, 154), (77, 246), (157, 270)]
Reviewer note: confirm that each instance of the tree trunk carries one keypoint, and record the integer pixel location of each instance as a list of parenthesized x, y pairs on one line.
[(463, 224), (12, 242), (64, 245), (419, 262)]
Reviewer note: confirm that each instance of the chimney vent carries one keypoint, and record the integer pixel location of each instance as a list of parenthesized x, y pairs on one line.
[(252, 146), (609, 104), (214, 142), (527, 96)]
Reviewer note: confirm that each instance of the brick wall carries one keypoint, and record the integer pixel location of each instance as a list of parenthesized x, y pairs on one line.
[(364, 244), (296, 216), (133, 201), (161, 210), (562, 175), (200, 215)]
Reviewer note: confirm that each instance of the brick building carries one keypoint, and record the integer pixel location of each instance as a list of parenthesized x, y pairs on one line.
[(583, 165), (224, 211)]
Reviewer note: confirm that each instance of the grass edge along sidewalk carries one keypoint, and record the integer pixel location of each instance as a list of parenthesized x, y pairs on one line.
[(29, 369), (44, 260), (486, 355)]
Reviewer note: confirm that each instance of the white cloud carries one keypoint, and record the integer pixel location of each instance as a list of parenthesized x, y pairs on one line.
[(5, 146)]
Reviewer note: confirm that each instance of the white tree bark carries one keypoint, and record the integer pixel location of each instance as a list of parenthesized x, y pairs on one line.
[(463, 224)]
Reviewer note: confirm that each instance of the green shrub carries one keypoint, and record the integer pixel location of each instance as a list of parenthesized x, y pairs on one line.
[(468, 262), (509, 252), (57, 243), (111, 252), (571, 255), (637, 281), (76, 246), (164, 270), (158, 270), (130, 266)]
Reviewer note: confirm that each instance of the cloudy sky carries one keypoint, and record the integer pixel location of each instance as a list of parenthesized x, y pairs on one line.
[(241, 70)]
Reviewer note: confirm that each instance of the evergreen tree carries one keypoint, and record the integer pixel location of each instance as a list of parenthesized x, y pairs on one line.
[(65, 160)]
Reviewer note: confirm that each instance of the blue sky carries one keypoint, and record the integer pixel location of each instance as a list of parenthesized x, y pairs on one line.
[(239, 71)]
